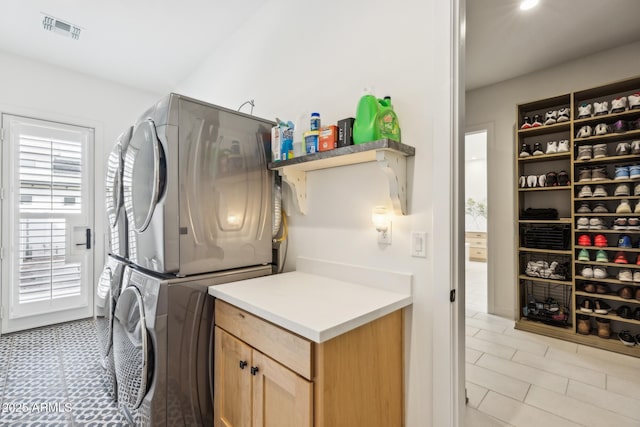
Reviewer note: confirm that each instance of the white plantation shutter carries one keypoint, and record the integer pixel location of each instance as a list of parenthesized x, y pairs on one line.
[(50, 176), (50, 183)]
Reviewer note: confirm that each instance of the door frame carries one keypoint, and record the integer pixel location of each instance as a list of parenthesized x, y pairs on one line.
[(97, 193)]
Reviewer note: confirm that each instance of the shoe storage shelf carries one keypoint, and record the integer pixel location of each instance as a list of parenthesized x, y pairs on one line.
[(390, 156), (578, 230)]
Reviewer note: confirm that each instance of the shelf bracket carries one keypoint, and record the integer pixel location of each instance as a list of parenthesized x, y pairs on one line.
[(297, 182), (394, 166)]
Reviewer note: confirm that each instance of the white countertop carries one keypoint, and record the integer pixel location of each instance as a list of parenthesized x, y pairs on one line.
[(317, 306)]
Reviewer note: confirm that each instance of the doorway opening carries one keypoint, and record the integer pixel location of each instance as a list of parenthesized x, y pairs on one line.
[(476, 211)]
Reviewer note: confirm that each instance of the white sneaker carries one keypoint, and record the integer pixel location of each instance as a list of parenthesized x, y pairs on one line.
[(618, 105), (550, 117), (596, 224), (602, 129), (532, 180), (601, 108), (635, 146), (636, 276), (623, 148), (583, 223), (552, 147), (584, 111), (625, 275), (600, 273), (585, 192), (584, 132), (623, 207), (634, 101), (542, 180), (563, 146), (584, 152), (599, 151), (587, 272), (584, 208), (621, 190), (565, 113), (600, 191), (523, 181)]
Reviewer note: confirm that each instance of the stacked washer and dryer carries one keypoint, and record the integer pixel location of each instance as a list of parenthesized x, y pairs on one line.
[(110, 283), (198, 200)]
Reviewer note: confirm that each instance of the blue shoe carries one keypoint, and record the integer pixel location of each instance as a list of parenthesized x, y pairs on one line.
[(622, 172), (624, 242), (634, 171)]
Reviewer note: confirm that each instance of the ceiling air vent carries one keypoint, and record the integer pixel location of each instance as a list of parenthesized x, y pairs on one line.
[(58, 26)]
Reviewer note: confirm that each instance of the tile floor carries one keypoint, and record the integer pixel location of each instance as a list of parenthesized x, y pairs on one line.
[(519, 379), (51, 377)]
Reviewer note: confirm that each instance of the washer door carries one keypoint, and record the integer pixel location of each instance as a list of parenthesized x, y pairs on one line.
[(144, 166), (104, 310), (131, 348)]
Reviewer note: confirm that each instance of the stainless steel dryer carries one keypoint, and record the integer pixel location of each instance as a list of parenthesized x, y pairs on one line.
[(107, 293), (197, 188), (114, 203), (162, 346)]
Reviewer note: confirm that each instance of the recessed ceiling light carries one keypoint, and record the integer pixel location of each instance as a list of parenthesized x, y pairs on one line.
[(61, 27), (528, 4)]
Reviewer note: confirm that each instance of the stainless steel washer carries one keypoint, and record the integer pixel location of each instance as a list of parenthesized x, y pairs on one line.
[(162, 336)]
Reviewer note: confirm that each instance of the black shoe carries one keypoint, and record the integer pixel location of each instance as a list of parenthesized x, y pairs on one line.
[(552, 179), (636, 313), (602, 307), (537, 121), (526, 123), (537, 149), (624, 311), (627, 338), (525, 150), (563, 178)]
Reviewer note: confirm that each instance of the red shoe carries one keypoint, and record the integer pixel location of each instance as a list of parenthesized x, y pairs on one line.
[(638, 260), (620, 258), (601, 241), (584, 240)]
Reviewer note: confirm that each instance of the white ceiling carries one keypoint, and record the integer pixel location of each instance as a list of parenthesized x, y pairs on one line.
[(148, 44), (504, 42), (153, 45)]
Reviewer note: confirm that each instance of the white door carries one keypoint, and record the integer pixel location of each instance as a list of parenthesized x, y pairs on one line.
[(47, 217)]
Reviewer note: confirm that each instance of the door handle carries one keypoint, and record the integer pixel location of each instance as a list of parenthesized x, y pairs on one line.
[(87, 242)]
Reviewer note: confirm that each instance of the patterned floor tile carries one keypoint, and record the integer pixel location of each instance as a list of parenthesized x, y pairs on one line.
[(95, 409), (49, 364)]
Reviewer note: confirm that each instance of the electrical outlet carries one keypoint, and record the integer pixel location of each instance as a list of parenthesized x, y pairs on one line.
[(384, 237), (419, 244)]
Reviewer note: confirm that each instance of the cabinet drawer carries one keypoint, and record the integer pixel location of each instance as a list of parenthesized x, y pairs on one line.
[(475, 235), (477, 243), (281, 345), (478, 254)]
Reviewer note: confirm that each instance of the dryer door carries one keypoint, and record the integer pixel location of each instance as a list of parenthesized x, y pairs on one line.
[(144, 175), (114, 198), (131, 349)]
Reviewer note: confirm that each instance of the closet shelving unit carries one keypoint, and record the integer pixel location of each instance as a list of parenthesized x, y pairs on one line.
[(566, 200)]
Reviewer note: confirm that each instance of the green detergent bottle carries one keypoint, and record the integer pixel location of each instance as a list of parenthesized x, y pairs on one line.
[(365, 128), (388, 120)]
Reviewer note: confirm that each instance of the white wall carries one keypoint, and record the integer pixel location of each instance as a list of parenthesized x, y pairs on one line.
[(296, 56), (496, 104), (35, 89)]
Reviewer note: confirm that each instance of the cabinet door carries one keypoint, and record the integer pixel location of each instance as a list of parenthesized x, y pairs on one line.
[(232, 381), (281, 398)]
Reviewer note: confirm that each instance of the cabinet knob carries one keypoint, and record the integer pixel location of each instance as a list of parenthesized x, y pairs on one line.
[(243, 364), (254, 370)]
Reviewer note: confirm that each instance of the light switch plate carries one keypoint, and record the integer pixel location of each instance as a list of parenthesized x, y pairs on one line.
[(419, 244)]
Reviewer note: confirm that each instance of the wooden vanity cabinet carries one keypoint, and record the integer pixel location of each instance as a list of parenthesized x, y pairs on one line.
[(268, 376)]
